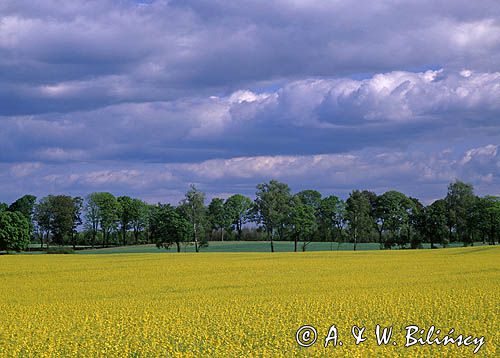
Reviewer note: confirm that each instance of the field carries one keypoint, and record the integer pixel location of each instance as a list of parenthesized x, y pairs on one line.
[(247, 246), (245, 304)]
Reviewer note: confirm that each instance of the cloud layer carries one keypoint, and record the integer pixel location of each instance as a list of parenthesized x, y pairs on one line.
[(148, 96)]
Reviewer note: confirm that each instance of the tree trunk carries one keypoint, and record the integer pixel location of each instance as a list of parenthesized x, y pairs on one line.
[(270, 236), (222, 234), (124, 237), (178, 246), (295, 248), (238, 228), (136, 236)]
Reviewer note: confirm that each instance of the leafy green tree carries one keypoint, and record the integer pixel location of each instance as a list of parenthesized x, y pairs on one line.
[(193, 207), (101, 212), (14, 231), (77, 218), (43, 216), (64, 217), (359, 220), (26, 206), (311, 198), (413, 208), (91, 215), (392, 213), (238, 208), (169, 227), (332, 218), (138, 217), (303, 222), (3, 207), (218, 216), (433, 223), (58, 216), (486, 215), (273, 201), (460, 200), (124, 215)]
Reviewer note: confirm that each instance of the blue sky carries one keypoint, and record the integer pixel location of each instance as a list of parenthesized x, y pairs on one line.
[(144, 98)]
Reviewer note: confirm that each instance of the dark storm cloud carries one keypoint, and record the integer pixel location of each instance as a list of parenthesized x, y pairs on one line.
[(106, 94), (171, 49)]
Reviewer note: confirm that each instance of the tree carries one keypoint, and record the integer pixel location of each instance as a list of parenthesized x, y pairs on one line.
[(332, 214), (311, 198), (77, 218), (14, 231), (64, 217), (101, 212), (433, 223), (486, 215), (193, 207), (92, 216), (358, 210), (238, 208), (25, 205), (3, 207), (460, 201), (59, 216), (302, 222), (392, 214), (218, 216), (273, 201), (124, 215), (138, 217), (43, 217), (414, 208), (169, 227)]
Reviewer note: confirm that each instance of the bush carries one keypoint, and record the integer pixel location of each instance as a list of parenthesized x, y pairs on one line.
[(60, 250)]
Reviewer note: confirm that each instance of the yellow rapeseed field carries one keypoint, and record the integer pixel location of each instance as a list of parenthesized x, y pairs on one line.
[(246, 304)]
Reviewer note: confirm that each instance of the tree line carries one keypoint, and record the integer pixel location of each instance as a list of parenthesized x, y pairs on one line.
[(392, 219)]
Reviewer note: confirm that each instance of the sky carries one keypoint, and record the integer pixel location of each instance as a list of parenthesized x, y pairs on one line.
[(144, 98)]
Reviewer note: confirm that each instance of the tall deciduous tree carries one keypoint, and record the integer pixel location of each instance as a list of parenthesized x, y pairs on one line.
[(238, 208), (64, 217), (332, 218), (43, 217), (124, 215), (218, 216), (138, 217), (101, 213), (193, 207), (392, 212), (273, 202), (303, 222), (26, 206), (432, 223), (14, 231), (168, 227), (92, 216), (358, 210), (459, 202)]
